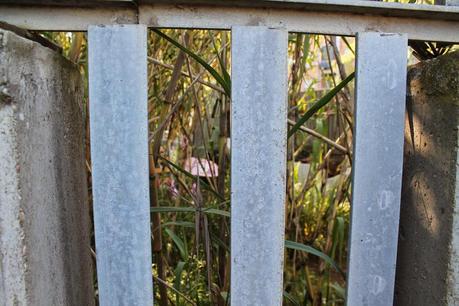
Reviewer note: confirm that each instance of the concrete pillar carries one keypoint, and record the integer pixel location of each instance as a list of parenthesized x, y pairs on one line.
[(428, 250), (44, 218)]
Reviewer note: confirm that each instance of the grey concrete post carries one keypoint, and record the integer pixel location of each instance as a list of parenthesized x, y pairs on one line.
[(258, 163), (377, 167), (428, 250), (44, 219), (119, 152)]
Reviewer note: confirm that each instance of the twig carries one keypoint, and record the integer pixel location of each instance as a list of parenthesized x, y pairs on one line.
[(179, 102), (171, 67), (175, 290), (320, 136)]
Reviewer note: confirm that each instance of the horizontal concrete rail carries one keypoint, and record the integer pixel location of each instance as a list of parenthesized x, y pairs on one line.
[(297, 20), (351, 6), (338, 17)]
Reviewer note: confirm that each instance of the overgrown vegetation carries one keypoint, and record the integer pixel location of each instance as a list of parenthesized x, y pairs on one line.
[(190, 136), (189, 123)]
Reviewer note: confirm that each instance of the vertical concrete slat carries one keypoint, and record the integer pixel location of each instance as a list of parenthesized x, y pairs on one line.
[(378, 157), (258, 164), (119, 152)]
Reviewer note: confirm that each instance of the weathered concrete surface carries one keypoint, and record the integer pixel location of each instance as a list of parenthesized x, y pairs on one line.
[(428, 250), (118, 90), (377, 167), (44, 218), (258, 164)]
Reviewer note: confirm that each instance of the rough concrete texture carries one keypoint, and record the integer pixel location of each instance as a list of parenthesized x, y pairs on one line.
[(44, 219), (428, 250)]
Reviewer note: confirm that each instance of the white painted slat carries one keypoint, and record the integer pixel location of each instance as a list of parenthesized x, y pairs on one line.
[(119, 152), (378, 157), (258, 164)]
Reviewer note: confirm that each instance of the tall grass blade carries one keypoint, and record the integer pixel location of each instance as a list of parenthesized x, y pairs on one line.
[(288, 244), (212, 211), (308, 249), (224, 82), (320, 103), (291, 299), (178, 280), (178, 243)]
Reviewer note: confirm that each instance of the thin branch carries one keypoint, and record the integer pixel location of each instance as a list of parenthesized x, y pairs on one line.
[(171, 67), (320, 136), (179, 102), (175, 290)]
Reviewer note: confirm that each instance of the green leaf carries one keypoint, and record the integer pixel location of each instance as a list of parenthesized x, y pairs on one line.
[(226, 75), (224, 82), (162, 209), (290, 297), (215, 211), (320, 103), (178, 278), (218, 242), (211, 211), (179, 243), (179, 223), (338, 238), (308, 249), (288, 243), (340, 291)]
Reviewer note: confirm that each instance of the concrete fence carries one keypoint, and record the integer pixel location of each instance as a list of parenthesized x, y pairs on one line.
[(44, 234)]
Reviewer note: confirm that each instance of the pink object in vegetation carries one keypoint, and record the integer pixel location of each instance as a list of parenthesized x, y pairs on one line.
[(201, 167)]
